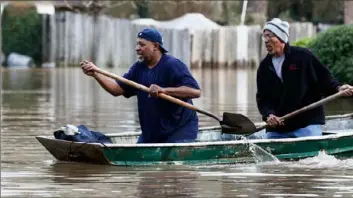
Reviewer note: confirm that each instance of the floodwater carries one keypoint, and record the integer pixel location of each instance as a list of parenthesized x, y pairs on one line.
[(38, 101)]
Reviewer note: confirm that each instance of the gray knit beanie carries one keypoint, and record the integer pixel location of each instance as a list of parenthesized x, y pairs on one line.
[(279, 28)]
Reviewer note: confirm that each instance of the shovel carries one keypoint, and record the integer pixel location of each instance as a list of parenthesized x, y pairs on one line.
[(231, 123), (301, 110)]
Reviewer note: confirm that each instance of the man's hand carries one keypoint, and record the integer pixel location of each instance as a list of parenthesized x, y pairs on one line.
[(348, 89), (88, 68), (273, 121), (155, 90)]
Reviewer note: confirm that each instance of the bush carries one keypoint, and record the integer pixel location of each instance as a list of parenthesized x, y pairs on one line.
[(334, 48), (304, 42), (21, 32)]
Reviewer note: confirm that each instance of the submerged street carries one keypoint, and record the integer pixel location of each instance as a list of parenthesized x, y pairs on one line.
[(38, 101)]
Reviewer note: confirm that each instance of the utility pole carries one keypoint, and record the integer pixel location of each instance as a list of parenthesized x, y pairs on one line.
[(243, 12)]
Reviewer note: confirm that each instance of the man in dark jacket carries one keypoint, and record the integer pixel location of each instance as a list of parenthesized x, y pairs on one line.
[(288, 79)]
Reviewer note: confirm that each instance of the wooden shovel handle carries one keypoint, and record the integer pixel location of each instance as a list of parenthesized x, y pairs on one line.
[(306, 108), (161, 95)]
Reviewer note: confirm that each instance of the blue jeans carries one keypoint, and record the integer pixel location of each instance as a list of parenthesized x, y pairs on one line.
[(310, 130)]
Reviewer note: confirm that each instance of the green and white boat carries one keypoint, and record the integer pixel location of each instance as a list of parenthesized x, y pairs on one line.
[(211, 147)]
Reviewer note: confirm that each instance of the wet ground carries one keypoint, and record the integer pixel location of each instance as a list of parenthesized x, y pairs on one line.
[(38, 101)]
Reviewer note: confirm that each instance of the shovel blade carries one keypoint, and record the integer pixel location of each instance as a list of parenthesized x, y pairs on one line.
[(233, 123)]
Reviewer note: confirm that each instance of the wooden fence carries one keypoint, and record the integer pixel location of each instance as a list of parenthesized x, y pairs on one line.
[(111, 42)]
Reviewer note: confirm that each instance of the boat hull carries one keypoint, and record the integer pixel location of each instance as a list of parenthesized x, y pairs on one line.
[(335, 142), (228, 152), (74, 151)]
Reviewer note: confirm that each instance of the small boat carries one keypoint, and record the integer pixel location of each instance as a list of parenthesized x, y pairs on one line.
[(211, 147)]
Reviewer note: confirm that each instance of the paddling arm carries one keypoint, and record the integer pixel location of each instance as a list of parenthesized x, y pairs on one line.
[(182, 92), (108, 84)]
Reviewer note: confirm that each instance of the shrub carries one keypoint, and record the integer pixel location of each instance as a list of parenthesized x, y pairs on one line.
[(334, 47), (302, 42), (21, 32)]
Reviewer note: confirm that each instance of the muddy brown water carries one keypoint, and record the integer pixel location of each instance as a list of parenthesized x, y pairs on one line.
[(37, 101)]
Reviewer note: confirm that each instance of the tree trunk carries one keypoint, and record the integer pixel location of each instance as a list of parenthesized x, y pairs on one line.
[(1, 53), (257, 12), (348, 12)]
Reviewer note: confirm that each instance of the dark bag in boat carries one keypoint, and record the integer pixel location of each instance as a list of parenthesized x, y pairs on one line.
[(80, 134)]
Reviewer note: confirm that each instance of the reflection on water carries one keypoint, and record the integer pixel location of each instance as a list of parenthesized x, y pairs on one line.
[(37, 101)]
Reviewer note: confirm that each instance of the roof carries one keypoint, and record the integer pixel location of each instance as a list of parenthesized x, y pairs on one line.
[(190, 21)]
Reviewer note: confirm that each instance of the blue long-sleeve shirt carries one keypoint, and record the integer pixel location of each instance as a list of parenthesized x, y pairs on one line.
[(162, 121)]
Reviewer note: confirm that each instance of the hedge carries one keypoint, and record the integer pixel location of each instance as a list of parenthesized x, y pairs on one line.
[(302, 42), (334, 47), (21, 32)]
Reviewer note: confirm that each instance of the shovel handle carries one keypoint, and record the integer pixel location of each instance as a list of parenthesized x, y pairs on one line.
[(160, 95), (306, 108), (145, 89)]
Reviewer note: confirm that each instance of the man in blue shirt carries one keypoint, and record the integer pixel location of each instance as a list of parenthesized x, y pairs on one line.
[(161, 121)]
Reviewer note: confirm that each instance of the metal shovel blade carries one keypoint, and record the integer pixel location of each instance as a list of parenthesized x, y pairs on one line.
[(233, 123)]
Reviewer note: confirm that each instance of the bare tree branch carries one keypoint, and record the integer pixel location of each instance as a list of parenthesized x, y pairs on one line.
[(87, 4), (68, 5)]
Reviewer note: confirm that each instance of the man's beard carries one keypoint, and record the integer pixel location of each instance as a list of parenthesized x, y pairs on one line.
[(140, 58)]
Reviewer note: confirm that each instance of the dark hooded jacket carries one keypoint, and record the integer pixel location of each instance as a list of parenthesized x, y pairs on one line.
[(305, 81)]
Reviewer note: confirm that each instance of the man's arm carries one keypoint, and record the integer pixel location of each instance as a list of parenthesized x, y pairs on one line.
[(180, 92), (183, 92), (108, 84), (184, 84)]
